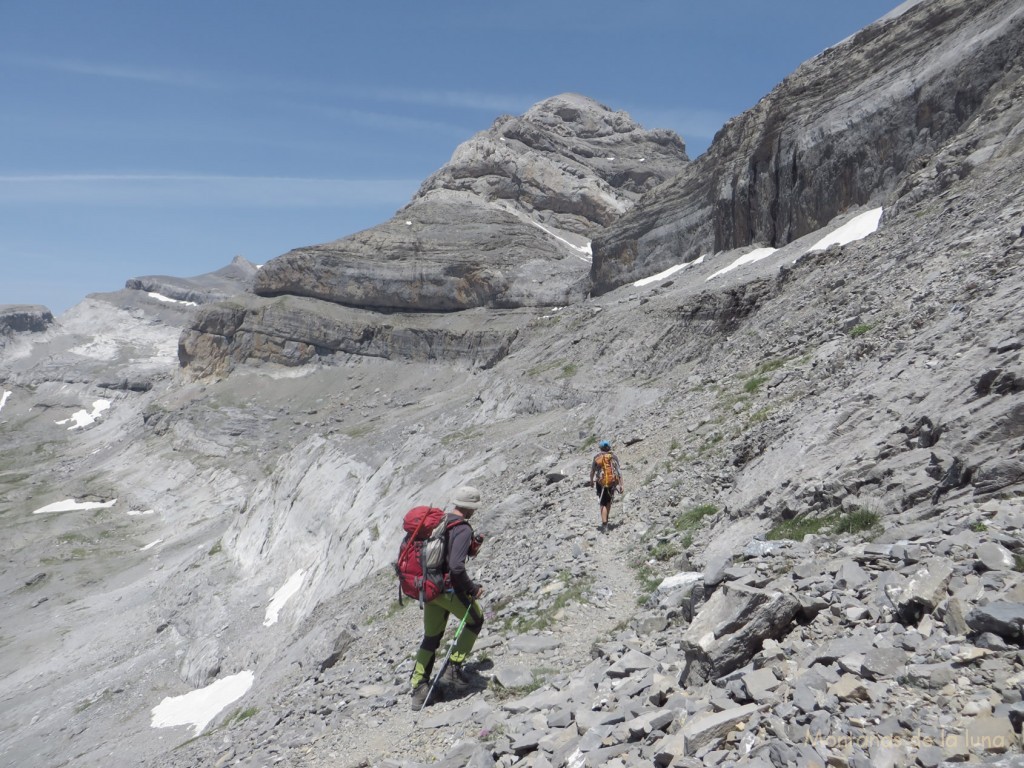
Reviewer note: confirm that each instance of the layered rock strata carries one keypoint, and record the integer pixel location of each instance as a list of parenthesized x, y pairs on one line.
[(840, 132)]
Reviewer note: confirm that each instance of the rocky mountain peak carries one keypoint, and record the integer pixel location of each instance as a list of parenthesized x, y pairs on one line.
[(505, 226), (569, 162)]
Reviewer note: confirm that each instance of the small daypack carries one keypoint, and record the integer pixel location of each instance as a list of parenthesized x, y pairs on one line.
[(608, 477), (422, 555)]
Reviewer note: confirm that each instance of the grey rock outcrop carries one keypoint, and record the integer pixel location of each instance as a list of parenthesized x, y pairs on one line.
[(21, 318), (843, 130), (505, 224), (249, 329), (235, 278)]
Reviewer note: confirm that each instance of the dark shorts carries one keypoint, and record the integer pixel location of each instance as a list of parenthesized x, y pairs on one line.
[(605, 494)]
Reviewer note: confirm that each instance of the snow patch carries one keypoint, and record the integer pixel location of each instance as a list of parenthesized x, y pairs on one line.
[(84, 418), (748, 258), (856, 228), (150, 545), (70, 505), (197, 708), (169, 300), (667, 273), (3, 399), (282, 596)]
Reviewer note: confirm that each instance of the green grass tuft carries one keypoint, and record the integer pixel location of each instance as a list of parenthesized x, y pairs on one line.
[(753, 384), (854, 521), (693, 517)]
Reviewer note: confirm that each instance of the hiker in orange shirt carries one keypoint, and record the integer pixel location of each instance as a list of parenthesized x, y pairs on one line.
[(605, 469)]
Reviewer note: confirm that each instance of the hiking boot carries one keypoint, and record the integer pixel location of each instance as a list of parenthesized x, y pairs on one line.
[(455, 678), (419, 696)]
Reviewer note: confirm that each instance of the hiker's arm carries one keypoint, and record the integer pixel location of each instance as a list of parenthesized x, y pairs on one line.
[(459, 540)]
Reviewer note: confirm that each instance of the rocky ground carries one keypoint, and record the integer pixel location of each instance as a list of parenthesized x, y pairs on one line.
[(803, 573)]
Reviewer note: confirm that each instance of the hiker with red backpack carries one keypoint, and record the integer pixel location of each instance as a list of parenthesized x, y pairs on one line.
[(605, 469), (444, 589)]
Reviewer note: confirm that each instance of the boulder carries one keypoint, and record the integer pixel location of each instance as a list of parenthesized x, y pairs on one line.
[(1000, 617), (731, 627)]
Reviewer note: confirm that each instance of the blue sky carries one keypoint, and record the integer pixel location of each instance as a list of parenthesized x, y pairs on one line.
[(146, 137)]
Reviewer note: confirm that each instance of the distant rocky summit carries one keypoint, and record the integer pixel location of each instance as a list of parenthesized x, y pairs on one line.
[(505, 225), (235, 278), (21, 318)]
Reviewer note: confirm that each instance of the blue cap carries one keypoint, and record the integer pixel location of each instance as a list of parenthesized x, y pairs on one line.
[(604, 444)]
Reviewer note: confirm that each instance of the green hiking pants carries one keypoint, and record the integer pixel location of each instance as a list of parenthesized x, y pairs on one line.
[(435, 619)]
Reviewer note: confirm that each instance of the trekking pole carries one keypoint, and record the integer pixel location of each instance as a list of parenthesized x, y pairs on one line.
[(448, 656)]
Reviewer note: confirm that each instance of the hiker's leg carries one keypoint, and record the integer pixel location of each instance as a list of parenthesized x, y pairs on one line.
[(474, 624), (435, 617)]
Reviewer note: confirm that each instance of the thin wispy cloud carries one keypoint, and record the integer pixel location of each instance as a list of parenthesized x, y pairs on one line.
[(485, 102), (172, 77), (382, 121), (183, 78), (203, 190)]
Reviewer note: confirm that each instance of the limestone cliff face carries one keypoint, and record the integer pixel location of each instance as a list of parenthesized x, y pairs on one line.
[(842, 131), (226, 282), (18, 318), (505, 225)]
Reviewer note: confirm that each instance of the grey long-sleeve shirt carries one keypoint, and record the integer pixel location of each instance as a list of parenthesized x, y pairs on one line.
[(459, 539)]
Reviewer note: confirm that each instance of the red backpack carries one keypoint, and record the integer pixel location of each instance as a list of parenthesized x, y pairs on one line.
[(422, 555)]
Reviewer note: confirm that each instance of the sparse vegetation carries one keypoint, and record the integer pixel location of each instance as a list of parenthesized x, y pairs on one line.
[(216, 549), (394, 608), (796, 528), (692, 518), (977, 526), (515, 692), (751, 385), (860, 330), (238, 716), (574, 591), (664, 551), (1018, 563), (359, 430), (854, 521), (647, 577), (463, 435), (564, 369), (711, 442), (770, 365)]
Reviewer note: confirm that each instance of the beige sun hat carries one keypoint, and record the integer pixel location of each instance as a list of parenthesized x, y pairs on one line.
[(466, 497)]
